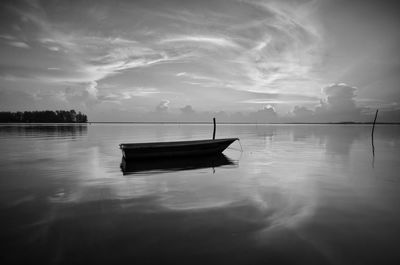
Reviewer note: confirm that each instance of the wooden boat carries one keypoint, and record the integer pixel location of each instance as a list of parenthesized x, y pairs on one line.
[(173, 149), (166, 164)]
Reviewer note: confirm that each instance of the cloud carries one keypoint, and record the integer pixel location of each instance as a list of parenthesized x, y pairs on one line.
[(54, 48), (19, 44), (196, 76), (203, 80), (302, 113), (283, 100), (86, 57), (7, 37), (217, 41), (14, 41), (340, 98), (140, 92), (163, 106), (187, 110), (181, 74), (265, 115), (91, 59), (338, 105), (283, 51), (92, 89), (258, 58)]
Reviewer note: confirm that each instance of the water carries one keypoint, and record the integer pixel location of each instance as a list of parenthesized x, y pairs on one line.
[(298, 194)]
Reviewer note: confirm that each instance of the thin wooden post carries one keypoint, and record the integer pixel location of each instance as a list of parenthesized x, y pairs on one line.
[(373, 126), (372, 138), (214, 129)]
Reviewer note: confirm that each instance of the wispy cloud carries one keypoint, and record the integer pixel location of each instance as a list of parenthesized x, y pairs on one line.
[(13, 41), (140, 92), (196, 76), (19, 44), (275, 101), (7, 37), (117, 96), (217, 41), (93, 58), (272, 46)]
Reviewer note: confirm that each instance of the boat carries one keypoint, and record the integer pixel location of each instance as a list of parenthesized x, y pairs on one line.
[(165, 164), (175, 149)]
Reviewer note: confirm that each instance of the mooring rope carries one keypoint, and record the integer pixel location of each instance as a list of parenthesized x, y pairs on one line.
[(236, 149), (241, 148)]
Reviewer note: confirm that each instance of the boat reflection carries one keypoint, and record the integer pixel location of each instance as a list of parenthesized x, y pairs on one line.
[(174, 164)]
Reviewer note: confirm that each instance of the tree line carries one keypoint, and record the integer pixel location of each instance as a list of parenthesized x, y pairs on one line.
[(46, 116)]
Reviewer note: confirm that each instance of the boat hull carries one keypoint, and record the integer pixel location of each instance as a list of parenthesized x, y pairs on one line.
[(175, 149)]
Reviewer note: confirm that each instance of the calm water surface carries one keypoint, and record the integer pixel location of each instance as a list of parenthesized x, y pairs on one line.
[(297, 194)]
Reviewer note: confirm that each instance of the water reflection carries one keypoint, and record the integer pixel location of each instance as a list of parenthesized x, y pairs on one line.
[(303, 194), (338, 139), (174, 164), (43, 130)]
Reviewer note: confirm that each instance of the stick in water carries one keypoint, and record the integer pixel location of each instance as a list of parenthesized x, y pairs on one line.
[(214, 129), (373, 127), (372, 137)]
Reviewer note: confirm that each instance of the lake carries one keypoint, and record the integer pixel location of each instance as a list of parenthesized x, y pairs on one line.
[(297, 194)]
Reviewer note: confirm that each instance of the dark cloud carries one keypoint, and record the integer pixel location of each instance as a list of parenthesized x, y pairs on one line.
[(302, 113), (187, 110)]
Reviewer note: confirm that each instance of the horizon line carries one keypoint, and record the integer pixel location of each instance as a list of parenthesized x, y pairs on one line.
[(255, 123)]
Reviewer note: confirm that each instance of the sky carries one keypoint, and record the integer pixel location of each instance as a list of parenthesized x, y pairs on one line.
[(190, 60)]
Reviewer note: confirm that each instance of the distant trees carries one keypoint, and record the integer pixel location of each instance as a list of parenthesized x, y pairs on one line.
[(46, 116)]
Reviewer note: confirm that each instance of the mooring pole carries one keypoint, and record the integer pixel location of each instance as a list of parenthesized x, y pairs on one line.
[(214, 129)]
